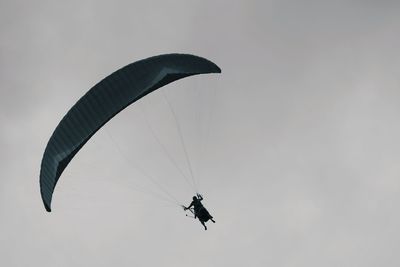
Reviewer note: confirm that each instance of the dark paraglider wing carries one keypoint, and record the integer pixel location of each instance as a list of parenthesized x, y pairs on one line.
[(106, 99)]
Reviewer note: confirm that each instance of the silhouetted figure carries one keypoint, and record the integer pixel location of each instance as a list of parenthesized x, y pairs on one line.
[(199, 211)]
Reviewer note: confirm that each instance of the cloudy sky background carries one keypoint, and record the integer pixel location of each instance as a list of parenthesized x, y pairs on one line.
[(295, 146)]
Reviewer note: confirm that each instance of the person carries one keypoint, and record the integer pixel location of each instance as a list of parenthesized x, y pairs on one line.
[(200, 211)]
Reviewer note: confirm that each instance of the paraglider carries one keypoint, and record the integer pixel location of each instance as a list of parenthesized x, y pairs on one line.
[(199, 211), (105, 100)]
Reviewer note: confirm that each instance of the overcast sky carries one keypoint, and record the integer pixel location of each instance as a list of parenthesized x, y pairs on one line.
[(295, 146)]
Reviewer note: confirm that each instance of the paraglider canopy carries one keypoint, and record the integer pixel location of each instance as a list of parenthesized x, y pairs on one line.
[(106, 99)]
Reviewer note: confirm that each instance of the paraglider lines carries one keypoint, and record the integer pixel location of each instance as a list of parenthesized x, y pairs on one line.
[(181, 139), (165, 150), (154, 181)]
